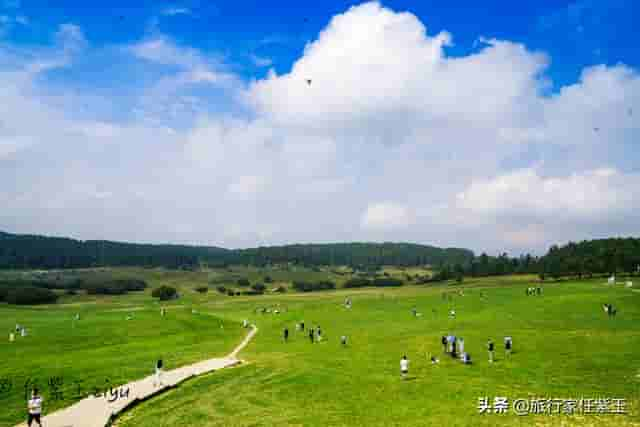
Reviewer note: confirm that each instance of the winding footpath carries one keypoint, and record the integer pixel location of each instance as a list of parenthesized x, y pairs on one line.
[(99, 412)]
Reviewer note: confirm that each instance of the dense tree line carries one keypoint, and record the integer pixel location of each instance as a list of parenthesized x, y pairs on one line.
[(39, 252), (354, 254), (589, 257), (586, 258)]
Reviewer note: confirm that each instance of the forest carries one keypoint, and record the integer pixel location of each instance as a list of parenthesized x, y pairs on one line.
[(603, 256)]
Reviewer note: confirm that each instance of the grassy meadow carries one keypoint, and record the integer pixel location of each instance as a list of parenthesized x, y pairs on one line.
[(564, 347)]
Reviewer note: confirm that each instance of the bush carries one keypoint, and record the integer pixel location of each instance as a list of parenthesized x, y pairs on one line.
[(3, 294), (421, 280), (357, 282), (202, 289), (165, 293), (114, 287), (321, 285), (258, 287), (221, 289), (244, 282), (268, 279), (30, 295), (387, 282), (231, 292)]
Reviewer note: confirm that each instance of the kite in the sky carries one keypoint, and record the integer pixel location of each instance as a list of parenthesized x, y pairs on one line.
[(309, 82), (631, 111), (596, 129)]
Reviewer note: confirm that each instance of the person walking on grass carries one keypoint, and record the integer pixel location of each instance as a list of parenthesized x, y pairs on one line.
[(157, 381), (490, 349), (343, 340), (507, 346), (311, 335), (444, 343), (35, 408), (286, 334), (319, 334), (404, 367)]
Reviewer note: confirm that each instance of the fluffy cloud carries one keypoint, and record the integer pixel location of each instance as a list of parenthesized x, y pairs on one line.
[(592, 195), (393, 139)]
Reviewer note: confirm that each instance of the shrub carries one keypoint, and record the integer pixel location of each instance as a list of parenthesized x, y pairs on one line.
[(258, 287), (357, 282), (30, 295), (231, 292), (244, 282), (3, 294), (387, 282), (202, 289), (165, 293), (114, 287), (221, 289), (321, 285), (268, 279)]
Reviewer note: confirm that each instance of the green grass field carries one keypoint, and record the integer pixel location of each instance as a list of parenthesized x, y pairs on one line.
[(103, 346), (564, 347)]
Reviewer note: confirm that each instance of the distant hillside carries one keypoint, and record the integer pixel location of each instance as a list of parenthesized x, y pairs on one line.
[(30, 251), (356, 254), (593, 256)]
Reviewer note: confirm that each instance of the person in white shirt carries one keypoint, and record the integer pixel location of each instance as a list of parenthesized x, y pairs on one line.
[(35, 408), (404, 367), (158, 378)]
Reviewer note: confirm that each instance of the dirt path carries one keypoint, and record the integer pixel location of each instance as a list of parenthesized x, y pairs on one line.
[(98, 411)]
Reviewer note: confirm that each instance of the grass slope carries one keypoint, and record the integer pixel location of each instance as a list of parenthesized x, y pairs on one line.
[(564, 347), (102, 346)]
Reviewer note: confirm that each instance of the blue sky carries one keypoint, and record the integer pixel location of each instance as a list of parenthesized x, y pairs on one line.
[(575, 34), (508, 126)]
